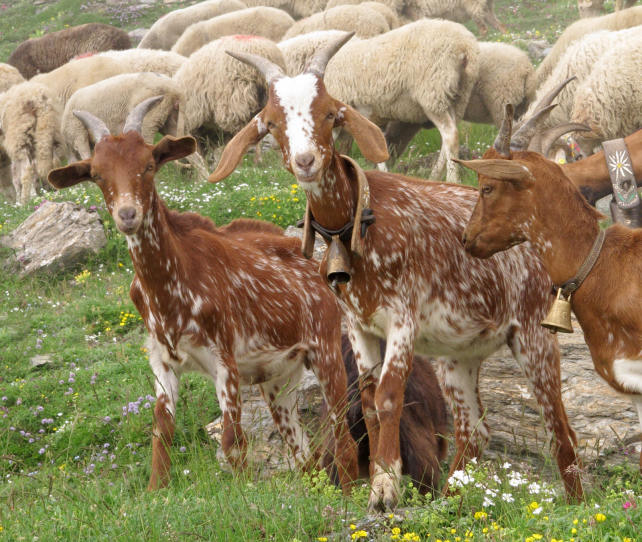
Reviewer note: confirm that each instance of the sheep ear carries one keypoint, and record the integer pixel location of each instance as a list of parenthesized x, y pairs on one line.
[(369, 137), (67, 176), (235, 149), (172, 148)]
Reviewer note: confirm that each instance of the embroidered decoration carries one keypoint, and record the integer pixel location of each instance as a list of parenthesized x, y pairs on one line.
[(618, 162)]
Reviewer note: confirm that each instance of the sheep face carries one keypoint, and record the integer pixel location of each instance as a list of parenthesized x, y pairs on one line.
[(123, 167)]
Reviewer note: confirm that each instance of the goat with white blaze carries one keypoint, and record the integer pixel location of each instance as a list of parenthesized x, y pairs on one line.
[(239, 304), (408, 277)]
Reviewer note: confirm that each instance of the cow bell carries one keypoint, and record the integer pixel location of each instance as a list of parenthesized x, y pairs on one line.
[(338, 270), (559, 317), (631, 217)]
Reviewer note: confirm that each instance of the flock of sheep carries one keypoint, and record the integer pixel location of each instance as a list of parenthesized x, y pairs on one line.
[(404, 70)]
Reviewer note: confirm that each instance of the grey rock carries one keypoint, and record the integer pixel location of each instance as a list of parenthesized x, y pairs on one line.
[(41, 360), (538, 49), (137, 35), (55, 237)]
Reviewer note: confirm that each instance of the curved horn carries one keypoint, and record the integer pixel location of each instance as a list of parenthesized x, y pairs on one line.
[(502, 141), (134, 122), (319, 61), (548, 99), (542, 143), (268, 69), (523, 136), (95, 126)]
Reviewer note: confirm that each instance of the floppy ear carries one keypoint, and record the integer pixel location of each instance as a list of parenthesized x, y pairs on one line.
[(368, 136), (172, 148), (235, 149), (503, 170), (64, 177)]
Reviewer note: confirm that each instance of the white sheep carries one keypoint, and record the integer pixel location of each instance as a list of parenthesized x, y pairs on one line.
[(9, 76), (268, 22), (221, 93), (29, 135), (619, 20), (166, 30), (296, 8), (363, 20), (423, 71), (609, 100)]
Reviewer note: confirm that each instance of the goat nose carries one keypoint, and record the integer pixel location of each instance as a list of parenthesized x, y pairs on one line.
[(304, 160), (127, 214)]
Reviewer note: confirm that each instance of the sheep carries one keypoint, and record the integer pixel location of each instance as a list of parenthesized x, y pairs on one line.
[(166, 30), (221, 93), (9, 76), (44, 54), (296, 8), (268, 22), (405, 276), (609, 100), (619, 20), (67, 79), (29, 135), (422, 71), (364, 21), (525, 197), (623, 4), (239, 304)]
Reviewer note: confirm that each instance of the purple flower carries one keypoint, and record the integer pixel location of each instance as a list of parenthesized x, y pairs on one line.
[(107, 419), (46, 421), (41, 451)]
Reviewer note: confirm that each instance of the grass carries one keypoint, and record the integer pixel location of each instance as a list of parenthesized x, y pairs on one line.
[(75, 432)]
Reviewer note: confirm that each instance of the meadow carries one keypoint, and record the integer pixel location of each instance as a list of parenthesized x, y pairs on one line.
[(76, 393)]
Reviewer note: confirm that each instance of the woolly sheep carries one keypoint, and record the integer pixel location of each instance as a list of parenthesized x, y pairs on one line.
[(364, 21), (298, 50), (222, 93), (29, 133), (41, 55), (9, 76), (609, 100), (422, 71), (296, 8), (166, 30), (390, 9), (619, 20), (268, 22)]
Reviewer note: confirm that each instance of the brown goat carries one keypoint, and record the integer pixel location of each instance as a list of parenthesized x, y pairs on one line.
[(525, 197), (239, 304), (411, 281)]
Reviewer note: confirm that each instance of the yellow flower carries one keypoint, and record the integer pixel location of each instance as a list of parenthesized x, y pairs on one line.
[(533, 505), (480, 514), (322, 539), (575, 521), (353, 526), (395, 530), (453, 531), (599, 517), (573, 530)]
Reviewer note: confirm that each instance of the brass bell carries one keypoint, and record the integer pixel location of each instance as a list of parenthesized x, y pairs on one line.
[(338, 270), (559, 317)]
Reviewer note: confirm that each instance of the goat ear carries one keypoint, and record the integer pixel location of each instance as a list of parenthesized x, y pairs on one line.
[(172, 148), (369, 137), (235, 149), (503, 170), (64, 177)]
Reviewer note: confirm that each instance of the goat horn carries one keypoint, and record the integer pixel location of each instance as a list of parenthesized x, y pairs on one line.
[(502, 141), (548, 99), (542, 143), (134, 122), (268, 69), (523, 136), (503, 170), (319, 61), (95, 126)]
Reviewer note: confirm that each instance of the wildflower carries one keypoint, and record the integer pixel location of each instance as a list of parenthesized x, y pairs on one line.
[(352, 526), (480, 514), (599, 517), (358, 534), (508, 497), (628, 504), (573, 530), (322, 539)]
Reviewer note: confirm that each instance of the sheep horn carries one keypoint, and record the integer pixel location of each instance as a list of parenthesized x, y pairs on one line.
[(502, 141), (95, 126), (523, 136), (134, 122), (321, 58), (542, 143), (268, 69)]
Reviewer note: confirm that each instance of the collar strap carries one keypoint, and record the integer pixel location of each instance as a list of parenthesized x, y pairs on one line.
[(344, 233), (573, 284)]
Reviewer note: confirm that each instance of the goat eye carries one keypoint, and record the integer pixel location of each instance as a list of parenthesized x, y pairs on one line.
[(330, 116), (271, 125), (486, 189), (149, 167)]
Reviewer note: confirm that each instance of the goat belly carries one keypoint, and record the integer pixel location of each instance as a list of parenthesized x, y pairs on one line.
[(267, 363)]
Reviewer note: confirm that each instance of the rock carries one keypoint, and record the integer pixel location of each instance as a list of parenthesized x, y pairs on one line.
[(41, 360), (137, 35), (56, 237), (538, 49)]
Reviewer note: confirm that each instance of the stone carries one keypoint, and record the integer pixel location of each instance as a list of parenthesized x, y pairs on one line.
[(137, 35), (538, 49), (41, 360), (56, 237)]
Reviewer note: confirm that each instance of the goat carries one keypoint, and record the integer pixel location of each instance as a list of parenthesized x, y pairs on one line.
[(525, 197), (412, 283), (239, 304)]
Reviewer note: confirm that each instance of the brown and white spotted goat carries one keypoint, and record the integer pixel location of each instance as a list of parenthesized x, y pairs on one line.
[(239, 303), (414, 284), (525, 197)]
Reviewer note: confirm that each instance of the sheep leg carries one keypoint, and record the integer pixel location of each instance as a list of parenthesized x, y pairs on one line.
[(228, 392), (538, 355), (385, 489), (398, 134), (166, 386), (197, 162), (447, 126), (459, 379), (280, 396), (330, 371)]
